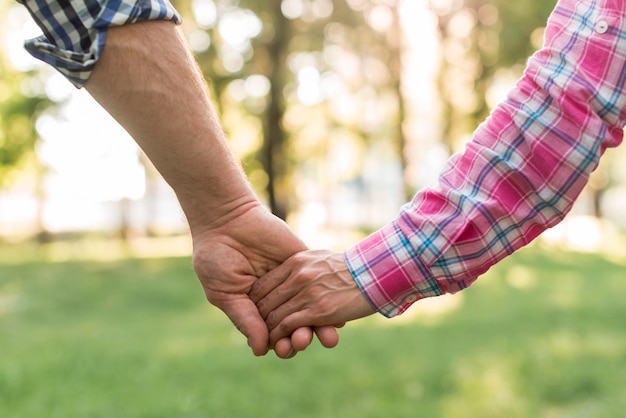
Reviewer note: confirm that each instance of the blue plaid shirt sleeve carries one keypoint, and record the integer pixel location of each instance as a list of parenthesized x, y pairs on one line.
[(74, 31)]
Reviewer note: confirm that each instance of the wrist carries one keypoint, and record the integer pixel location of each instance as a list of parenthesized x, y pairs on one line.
[(204, 213)]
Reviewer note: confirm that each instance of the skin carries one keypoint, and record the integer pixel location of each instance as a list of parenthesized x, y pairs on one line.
[(148, 80), (310, 288)]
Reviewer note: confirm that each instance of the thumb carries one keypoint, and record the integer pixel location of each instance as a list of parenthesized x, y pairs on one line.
[(246, 317)]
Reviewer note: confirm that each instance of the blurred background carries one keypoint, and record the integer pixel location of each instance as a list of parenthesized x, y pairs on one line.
[(339, 111)]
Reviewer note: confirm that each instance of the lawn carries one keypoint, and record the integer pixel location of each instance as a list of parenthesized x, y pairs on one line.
[(540, 335)]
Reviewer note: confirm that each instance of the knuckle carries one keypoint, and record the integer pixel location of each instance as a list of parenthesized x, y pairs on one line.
[(285, 328), (262, 307), (271, 320), (300, 257)]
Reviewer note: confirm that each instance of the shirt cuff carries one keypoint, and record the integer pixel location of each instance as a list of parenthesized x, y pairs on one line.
[(388, 272), (74, 31)]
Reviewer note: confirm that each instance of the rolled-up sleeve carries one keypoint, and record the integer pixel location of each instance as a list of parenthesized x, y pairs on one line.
[(74, 31)]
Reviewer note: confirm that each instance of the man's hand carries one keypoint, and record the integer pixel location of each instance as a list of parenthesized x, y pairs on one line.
[(148, 80), (230, 255), (312, 288)]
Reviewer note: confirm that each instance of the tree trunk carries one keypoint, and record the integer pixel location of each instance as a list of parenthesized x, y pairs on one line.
[(396, 49), (273, 156)]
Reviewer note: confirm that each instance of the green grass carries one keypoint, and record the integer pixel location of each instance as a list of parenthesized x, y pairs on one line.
[(541, 335)]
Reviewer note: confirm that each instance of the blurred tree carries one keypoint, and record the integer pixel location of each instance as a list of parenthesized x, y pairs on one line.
[(22, 100), (278, 67), (280, 60), (233, 59), (17, 114), (481, 40), (396, 52), (273, 155)]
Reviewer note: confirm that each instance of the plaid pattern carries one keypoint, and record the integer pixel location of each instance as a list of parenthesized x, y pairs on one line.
[(520, 174), (74, 31)]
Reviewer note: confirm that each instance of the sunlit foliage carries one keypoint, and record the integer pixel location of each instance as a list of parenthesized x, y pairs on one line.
[(20, 103)]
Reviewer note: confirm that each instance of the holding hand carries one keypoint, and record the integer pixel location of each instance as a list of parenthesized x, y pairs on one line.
[(228, 257), (312, 288), (148, 80)]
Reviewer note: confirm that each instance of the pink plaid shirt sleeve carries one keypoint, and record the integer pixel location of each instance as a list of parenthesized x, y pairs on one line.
[(520, 174)]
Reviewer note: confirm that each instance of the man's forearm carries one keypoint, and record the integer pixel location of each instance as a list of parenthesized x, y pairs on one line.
[(149, 81)]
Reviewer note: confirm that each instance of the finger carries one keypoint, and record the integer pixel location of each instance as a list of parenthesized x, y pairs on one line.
[(277, 298), (287, 326), (268, 282), (245, 316), (298, 341), (284, 349), (302, 338), (327, 335), (287, 308)]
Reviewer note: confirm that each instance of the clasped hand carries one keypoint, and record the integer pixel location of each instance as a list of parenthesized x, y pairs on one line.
[(238, 261), (230, 255), (312, 288)]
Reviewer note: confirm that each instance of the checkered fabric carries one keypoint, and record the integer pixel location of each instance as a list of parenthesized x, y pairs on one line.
[(74, 31), (520, 174)]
